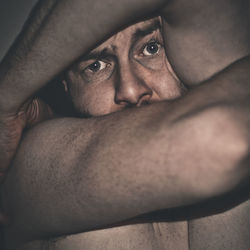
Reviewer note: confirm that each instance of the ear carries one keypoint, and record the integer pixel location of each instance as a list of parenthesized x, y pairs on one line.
[(65, 86)]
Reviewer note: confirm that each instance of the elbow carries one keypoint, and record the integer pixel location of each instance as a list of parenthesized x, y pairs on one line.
[(223, 138), (219, 148)]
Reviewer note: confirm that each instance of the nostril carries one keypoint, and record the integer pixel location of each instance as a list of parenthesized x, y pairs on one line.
[(122, 103), (144, 102), (133, 93), (144, 99)]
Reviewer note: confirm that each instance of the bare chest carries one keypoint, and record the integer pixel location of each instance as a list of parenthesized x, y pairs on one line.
[(229, 230), (148, 236)]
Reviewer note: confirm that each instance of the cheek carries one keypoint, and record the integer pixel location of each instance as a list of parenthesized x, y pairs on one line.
[(96, 100), (167, 86), (157, 74), (164, 84)]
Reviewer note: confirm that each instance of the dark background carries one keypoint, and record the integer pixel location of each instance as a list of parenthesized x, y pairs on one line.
[(13, 14)]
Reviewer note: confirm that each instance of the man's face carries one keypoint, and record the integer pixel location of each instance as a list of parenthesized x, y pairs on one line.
[(129, 69)]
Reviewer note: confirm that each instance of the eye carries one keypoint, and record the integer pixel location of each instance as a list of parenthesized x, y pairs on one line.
[(97, 66), (96, 71), (151, 48)]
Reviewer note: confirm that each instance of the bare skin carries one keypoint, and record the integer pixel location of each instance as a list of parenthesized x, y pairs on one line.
[(176, 131), (126, 180), (128, 70)]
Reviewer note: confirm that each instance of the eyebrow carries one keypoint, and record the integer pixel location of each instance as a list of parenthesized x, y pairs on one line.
[(148, 29), (96, 54), (139, 33)]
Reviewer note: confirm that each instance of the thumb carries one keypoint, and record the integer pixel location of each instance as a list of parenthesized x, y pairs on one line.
[(37, 111)]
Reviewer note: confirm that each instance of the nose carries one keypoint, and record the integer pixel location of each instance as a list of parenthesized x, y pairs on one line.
[(131, 89)]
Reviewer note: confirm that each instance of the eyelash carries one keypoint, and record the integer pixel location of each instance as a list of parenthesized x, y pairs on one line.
[(148, 43), (98, 70), (141, 53), (103, 65)]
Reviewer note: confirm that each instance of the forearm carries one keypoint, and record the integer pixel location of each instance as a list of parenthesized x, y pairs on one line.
[(94, 172), (204, 37), (57, 33), (197, 47)]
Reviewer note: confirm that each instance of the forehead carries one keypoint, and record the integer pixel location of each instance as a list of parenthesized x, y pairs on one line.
[(133, 32)]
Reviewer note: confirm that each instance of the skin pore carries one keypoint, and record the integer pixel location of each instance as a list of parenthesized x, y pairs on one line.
[(75, 175), (129, 69)]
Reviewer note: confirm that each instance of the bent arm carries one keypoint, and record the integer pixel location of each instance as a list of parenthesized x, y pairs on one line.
[(204, 37), (197, 43), (56, 27), (79, 175), (55, 35), (88, 162)]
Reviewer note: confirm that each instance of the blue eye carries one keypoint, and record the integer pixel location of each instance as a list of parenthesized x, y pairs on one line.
[(97, 66), (151, 48)]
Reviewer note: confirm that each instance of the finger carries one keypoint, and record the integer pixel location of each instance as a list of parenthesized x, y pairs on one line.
[(37, 111)]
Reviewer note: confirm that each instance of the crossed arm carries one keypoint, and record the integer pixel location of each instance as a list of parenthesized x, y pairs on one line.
[(84, 174), (39, 54), (79, 175)]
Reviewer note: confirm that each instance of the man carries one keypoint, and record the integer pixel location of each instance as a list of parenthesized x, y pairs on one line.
[(129, 69), (137, 161)]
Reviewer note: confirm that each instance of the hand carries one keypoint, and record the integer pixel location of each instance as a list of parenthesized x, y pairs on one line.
[(12, 126), (11, 129)]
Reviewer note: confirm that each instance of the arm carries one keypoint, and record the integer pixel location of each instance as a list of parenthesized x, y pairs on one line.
[(54, 55), (80, 175), (40, 49), (39, 54), (204, 37)]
